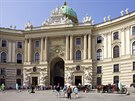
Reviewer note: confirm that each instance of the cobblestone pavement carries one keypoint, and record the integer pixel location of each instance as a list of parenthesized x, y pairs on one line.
[(49, 95)]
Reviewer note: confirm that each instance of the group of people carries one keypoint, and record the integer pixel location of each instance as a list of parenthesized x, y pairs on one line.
[(67, 90)]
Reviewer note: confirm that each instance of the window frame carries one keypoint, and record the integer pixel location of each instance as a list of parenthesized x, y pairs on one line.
[(17, 45), (76, 41), (133, 48), (99, 39), (116, 53), (5, 43), (99, 54), (133, 31), (78, 55), (116, 68), (116, 35), (36, 44), (115, 79), (99, 69)]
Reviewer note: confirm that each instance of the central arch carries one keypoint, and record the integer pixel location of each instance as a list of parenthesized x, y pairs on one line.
[(57, 71)]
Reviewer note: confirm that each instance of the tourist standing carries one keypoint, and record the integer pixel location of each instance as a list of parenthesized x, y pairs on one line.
[(69, 91), (58, 90)]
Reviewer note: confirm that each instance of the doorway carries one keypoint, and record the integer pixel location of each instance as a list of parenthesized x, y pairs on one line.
[(78, 80), (57, 72), (35, 81)]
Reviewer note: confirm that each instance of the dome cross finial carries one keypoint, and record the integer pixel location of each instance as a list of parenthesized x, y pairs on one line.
[(65, 3)]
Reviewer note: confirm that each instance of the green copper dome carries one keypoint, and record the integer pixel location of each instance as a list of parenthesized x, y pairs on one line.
[(69, 12)]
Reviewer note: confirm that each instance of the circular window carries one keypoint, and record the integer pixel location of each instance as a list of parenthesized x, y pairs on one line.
[(77, 68)]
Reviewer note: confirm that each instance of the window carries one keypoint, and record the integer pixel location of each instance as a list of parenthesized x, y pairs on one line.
[(37, 57), (37, 44), (78, 41), (18, 81), (99, 54), (115, 36), (99, 69), (4, 43), (3, 57), (78, 55), (18, 72), (133, 48), (116, 68), (34, 69), (99, 39), (133, 65), (134, 78), (19, 44), (3, 71), (98, 80), (116, 79), (133, 30), (19, 58), (116, 52)]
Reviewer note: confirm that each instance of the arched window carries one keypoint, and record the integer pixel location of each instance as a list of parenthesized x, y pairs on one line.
[(99, 54), (78, 55), (134, 78), (133, 48), (3, 57), (133, 30), (19, 58), (116, 79), (37, 57), (116, 52)]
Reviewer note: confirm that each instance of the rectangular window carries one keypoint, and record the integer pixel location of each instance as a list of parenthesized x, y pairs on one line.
[(99, 69), (99, 39), (18, 72), (37, 44), (19, 44), (4, 43), (133, 30), (3, 71), (116, 68), (78, 41), (115, 36), (133, 65)]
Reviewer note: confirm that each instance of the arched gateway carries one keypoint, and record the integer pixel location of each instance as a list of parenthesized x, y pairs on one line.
[(57, 71)]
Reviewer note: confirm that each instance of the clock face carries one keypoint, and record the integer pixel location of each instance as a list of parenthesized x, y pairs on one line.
[(77, 68)]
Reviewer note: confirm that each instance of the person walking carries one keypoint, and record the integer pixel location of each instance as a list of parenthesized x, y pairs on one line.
[(58, 90), (65, 91), (75, 90), (17, 87), (3, 87), (69, 91)]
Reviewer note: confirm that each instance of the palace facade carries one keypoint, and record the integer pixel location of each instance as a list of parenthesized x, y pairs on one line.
[(65, 51)]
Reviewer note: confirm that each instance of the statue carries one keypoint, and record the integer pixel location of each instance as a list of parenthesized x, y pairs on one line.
[(68, 77), (87, 19), (28, 25), (122, 13), (87, 75)]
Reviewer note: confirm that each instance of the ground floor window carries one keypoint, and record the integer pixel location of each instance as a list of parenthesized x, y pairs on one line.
[(116, 79), (134, 78), (98, 80), (2, 81)]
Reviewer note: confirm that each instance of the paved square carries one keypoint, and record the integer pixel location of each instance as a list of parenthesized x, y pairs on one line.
[(51, 96)]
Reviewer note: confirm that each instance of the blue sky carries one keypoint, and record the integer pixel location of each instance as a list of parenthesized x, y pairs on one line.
[(18, 12)]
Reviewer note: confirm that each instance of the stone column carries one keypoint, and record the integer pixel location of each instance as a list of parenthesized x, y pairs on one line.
[(71, 47), (25, 53), (85, 47), (29, 51), (45, 59), (89, 46), (67, 47), (123, 47), (41, 51)]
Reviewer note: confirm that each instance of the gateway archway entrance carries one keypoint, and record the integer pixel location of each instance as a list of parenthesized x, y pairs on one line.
[(57, 72)]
